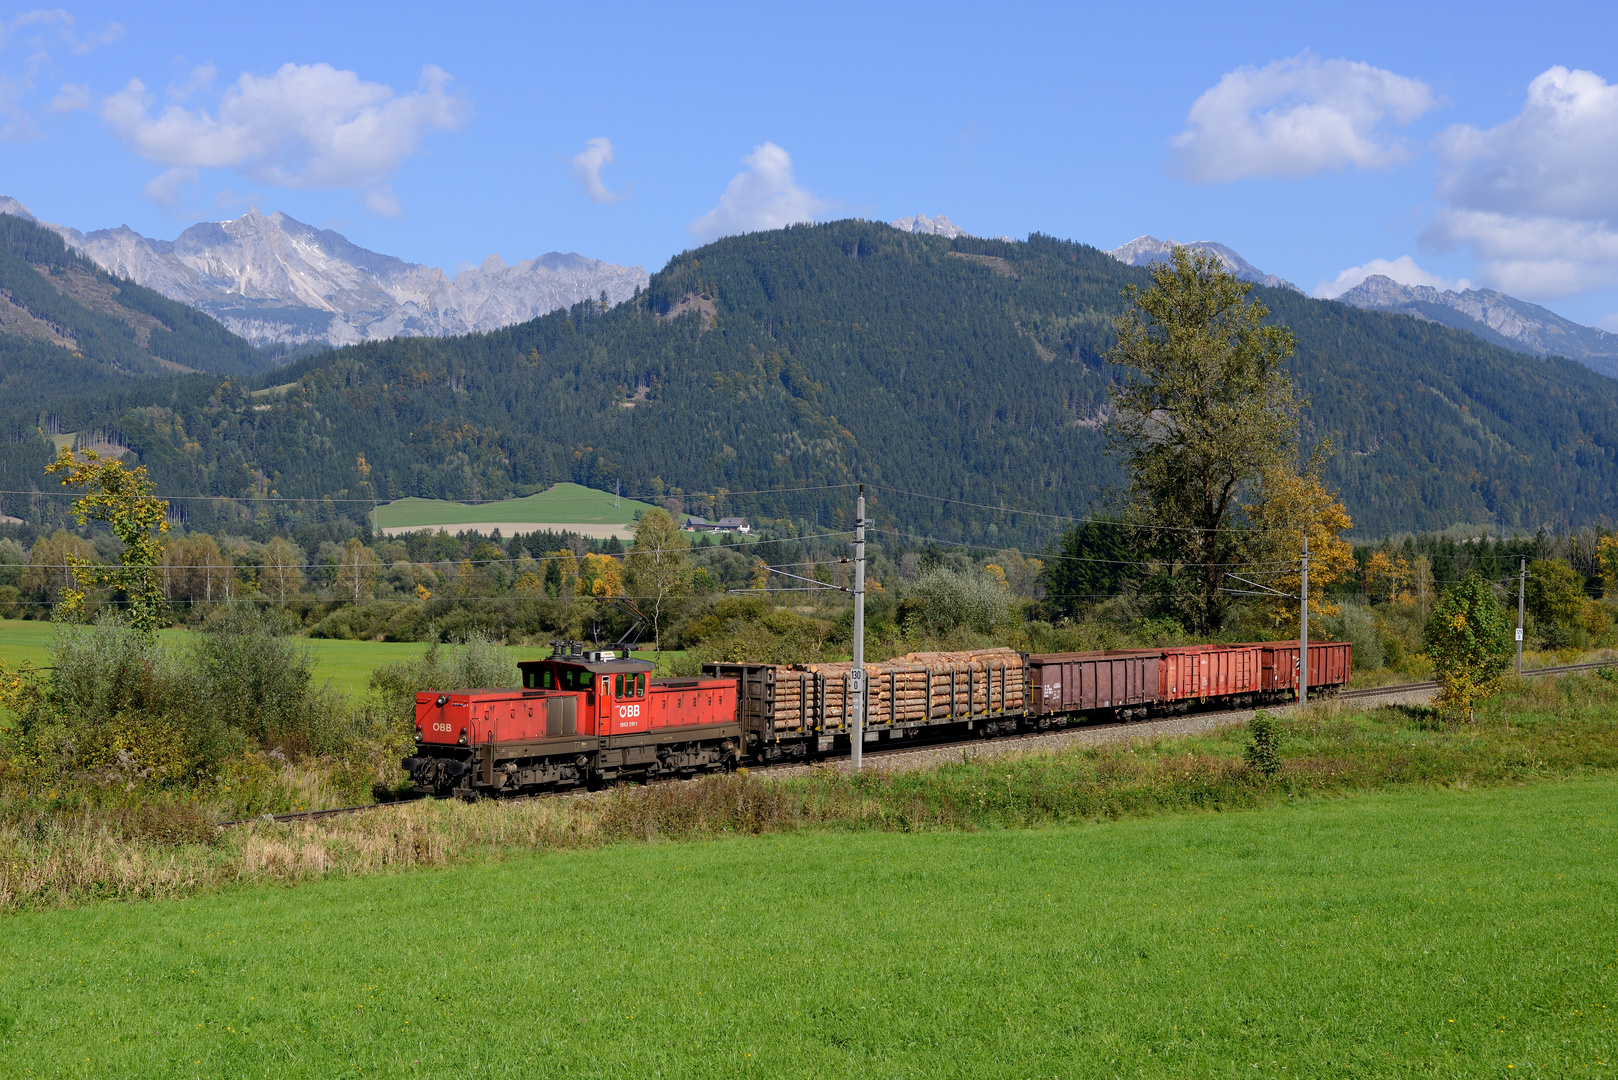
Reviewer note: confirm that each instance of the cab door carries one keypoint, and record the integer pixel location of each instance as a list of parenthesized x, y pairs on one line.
[(629, 705)]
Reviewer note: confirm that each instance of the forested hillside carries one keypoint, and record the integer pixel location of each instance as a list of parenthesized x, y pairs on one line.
[(67, 326), (968, 370)]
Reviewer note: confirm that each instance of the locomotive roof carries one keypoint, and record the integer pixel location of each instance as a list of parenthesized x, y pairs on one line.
[(604, 667)]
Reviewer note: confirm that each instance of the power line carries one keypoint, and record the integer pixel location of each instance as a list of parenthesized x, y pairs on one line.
[(1065, 517), (1144, 564), (649, 498)]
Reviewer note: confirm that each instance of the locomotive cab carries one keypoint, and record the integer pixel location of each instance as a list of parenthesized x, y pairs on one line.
[(580, 717)]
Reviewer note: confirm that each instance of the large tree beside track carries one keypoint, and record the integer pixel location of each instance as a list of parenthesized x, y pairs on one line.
[(1209, 411)]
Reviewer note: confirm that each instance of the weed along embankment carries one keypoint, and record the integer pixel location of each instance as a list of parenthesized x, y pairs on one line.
[(1416, 932), (1538, 730)]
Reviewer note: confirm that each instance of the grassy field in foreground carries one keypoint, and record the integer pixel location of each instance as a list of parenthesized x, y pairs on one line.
[(562, 504), (1429, 933)]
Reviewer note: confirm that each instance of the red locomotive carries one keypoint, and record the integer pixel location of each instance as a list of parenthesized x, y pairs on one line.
[(580, 718), (583, 719)]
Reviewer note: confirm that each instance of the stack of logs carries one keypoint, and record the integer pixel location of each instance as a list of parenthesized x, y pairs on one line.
[(916, 686)]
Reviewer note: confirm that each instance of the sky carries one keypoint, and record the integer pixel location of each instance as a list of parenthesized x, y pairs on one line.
[(1453, 145)]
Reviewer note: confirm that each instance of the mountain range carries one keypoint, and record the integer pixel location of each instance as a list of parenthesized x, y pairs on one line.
[(68, 327), (1145, 250), (1493, 316), (274, 280), (926, 226), (778, 365)]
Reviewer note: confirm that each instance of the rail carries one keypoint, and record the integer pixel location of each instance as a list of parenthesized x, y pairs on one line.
[(1374, 691)]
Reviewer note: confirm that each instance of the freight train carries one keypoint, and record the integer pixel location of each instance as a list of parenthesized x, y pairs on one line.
[(585, 718)]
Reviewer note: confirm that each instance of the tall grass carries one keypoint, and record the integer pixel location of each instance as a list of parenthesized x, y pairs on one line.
[(1538, 730)]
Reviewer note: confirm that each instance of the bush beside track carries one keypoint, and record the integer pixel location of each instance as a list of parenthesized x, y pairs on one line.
[(1542, 729)]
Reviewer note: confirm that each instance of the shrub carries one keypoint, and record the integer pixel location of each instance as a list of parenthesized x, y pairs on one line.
[(121, 710), (1263, 754), (478, 663), (751, 630), (944, 600), (1359, 627), (1470, 643)]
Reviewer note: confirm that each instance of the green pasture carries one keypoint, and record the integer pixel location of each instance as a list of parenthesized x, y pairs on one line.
[(346, 664), (563, 504), (1430, 933)]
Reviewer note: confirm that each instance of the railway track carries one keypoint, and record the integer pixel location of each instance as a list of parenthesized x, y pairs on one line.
[(1412, 688), (918, 747)]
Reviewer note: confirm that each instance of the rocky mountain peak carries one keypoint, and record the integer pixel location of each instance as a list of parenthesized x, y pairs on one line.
[(1494, 316), (1145, 250), (274, 279), (938, 226)]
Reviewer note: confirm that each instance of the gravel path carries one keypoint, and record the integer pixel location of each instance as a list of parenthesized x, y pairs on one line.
[(925, 757)]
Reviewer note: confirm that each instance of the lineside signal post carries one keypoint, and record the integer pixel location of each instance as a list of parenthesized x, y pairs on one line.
[(856, 677), (1303, 630), (1522, 581)]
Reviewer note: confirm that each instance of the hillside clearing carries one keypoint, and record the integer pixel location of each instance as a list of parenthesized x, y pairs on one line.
[(561, 507)]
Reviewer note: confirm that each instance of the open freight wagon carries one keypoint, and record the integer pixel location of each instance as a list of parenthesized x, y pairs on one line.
[(1331, 665), (800, 709)]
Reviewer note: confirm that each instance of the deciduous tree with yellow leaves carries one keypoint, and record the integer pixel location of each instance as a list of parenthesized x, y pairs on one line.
[(1469, 639), (1290, 506), (123, 499)]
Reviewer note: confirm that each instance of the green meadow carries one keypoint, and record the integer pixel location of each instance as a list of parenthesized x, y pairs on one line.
[(1418, 933), (346, 664), (562, 504)]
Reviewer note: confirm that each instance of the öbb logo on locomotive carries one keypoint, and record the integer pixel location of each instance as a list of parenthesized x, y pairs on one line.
[(584, 718)]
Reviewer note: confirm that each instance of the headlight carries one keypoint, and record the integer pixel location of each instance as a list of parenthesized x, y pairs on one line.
[(462, 740), (418, 733)]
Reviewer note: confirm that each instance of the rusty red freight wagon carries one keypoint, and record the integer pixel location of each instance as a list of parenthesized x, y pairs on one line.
[(1331, 665), (1190, 673), (1124, 681), (588, 718)]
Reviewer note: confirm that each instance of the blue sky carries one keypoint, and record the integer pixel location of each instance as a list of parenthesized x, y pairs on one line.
[(1474, 143)]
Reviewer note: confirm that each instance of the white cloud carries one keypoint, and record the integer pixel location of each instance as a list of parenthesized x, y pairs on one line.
[(164, 189), (16, 121), (1297, 117), (1533, 198), (63, 23), (201, 78), (306, 126), (587, 166), (71, 98), (1403, 270), (762, 196)]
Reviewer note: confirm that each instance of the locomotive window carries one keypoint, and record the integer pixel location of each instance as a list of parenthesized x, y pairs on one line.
[(640, 685), (618, 688), (545, 679)]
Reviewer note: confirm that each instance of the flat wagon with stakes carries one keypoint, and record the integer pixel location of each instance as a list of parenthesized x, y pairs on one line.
[(584, 718)]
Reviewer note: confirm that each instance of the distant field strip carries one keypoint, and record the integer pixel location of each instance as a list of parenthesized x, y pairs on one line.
[(568, 507), (346, 664)]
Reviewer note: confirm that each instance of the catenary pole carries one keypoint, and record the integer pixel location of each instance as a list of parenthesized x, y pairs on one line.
[(1522, 581), (1303, 631), (856, 731)]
